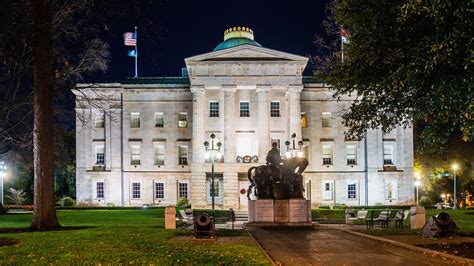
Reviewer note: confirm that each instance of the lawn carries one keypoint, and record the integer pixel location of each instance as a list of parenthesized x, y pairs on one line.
[(119, 237)]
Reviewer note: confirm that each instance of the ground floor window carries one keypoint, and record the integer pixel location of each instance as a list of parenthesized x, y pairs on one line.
[(352, 189), (327, 190), (391, 189), (136, 193), (99, 189), (183, 190), (159, 190)]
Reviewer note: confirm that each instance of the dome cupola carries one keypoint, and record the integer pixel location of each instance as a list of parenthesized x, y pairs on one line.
[(236, 36)]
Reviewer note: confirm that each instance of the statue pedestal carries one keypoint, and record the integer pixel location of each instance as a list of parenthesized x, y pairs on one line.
[(270, 212)]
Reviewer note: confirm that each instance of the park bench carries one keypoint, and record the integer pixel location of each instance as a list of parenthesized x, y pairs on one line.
[(383, 218), (398, 219), (360, 216)]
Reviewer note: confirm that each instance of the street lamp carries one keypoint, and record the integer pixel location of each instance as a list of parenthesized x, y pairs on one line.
[(3, 169), (455, 168), (417, 184), (292, 150), (213, 151)]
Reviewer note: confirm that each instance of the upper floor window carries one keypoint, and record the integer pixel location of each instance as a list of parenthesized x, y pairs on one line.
[(326, 119), (213, 109), (182, 155), (159, 120), (304, 120), (99, 120), (327, 154), (387, 154), (99, 190), (99, 154), (275, 109), (244, 109), (135, 157), (159, 155), (183, 120), (135, 120), (136, 191), (351, 154)]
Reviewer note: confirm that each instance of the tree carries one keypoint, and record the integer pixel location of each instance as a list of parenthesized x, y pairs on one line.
[(406, 61), (17, 196)]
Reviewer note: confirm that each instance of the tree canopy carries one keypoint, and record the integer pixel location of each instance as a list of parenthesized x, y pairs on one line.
[(406, 62)]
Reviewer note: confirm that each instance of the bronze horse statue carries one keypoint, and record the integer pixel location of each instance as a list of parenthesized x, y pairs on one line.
[(278, 183)]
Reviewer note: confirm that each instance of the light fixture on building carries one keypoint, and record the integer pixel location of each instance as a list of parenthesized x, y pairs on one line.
[(292, 150), (213, 152)]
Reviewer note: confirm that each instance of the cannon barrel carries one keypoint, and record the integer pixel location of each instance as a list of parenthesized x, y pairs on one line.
[(443, 218)]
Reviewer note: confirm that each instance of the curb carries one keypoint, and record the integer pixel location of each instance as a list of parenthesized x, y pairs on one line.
[(261, 248), (410, 247)]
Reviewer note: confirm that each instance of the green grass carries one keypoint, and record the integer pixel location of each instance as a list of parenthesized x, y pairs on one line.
[(463, 218), (119, 237)]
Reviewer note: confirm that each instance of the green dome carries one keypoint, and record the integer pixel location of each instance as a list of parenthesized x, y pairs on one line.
[(232, 42)]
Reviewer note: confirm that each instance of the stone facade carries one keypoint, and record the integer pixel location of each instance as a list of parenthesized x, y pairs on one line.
[(248, 96)]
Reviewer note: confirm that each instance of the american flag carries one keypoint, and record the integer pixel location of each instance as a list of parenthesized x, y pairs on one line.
[(129, 39)]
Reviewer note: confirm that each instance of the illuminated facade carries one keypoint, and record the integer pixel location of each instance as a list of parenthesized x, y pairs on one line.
[(144, 145)]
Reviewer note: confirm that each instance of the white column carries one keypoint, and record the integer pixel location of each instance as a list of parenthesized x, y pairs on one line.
[(295, 110), (229, 117), (198, 124), (263, 122)]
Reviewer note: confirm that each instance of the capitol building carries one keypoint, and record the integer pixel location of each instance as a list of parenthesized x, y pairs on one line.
[(141, 141)]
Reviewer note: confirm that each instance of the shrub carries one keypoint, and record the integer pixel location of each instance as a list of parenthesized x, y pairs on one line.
[(84, 204), (111, 205), (17, 196), (66, 202), (183, 203), (425, 201)]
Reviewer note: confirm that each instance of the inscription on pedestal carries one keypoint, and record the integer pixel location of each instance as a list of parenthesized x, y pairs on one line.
[(281, 211), (264, 211), (298, 211)]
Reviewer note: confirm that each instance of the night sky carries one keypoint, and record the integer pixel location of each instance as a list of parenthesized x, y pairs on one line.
[(172, 30)]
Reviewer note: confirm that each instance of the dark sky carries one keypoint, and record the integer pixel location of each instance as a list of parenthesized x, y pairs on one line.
[(173, 30)]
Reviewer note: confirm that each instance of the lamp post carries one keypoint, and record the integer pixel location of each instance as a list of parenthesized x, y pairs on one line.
[(443, 196), (417, 184), (213, 151), (291, 150), (3, 169), (455, 168)]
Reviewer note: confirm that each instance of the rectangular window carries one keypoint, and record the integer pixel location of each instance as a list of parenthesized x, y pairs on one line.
[(326, 119), (159, 155), (351, 190), (327, 190), (183, 120), (183, 155), (99, 189), (387, 154), (391, 187), (159, 190), (99, 120), (159, 120), (183, 190), (100, 155), (244, 109), (135, 120), (213, 109), (136, 193), (304, 120), (135, 158), (216, 188), (327, 154), (351, 154), (274, 109)]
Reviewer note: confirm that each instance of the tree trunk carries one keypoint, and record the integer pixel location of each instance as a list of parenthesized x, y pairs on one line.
[(44, 215)]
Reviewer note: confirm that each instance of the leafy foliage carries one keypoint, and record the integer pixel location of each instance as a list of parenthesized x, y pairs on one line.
[(183, 203), (406, 61), (66, 202), (16, 196)]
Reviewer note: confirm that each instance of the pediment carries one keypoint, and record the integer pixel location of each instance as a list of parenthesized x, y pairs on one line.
[(246, 53)]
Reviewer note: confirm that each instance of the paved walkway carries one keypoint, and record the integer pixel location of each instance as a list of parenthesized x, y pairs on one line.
[(329, 246)]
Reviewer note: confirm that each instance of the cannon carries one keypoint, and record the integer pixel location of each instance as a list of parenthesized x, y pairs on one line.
[(204, 226), (439, 225)]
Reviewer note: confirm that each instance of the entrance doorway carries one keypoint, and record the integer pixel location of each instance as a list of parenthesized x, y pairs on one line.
[(243, 200)]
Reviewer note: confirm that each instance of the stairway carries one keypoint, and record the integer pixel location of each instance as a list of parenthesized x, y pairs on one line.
[(241, 216)]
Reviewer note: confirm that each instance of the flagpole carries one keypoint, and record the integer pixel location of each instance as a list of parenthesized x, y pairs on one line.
[(136, 53), (342, 48)]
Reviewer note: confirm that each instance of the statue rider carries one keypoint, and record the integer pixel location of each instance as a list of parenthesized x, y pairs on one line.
[(274, 161)]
